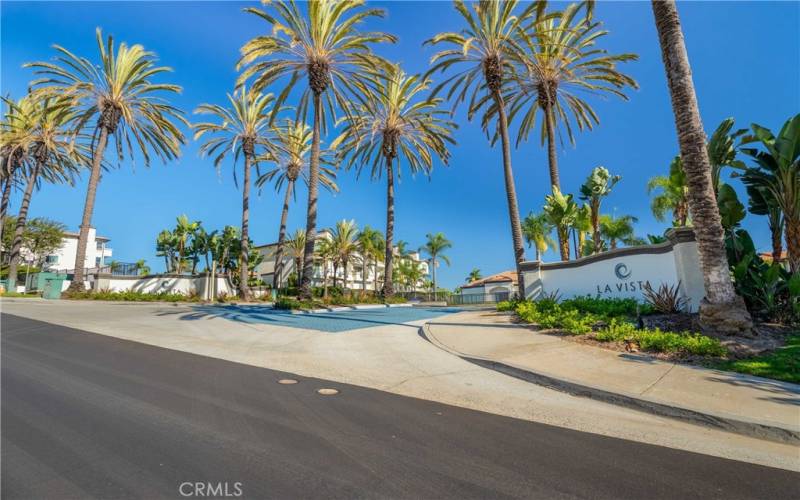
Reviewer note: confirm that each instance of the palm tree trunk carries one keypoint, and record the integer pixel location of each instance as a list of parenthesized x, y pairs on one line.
[(335, 272), (792, 228), (721, 309), (244, 290), (776, 228), (313, 188), (22, 219), (344, 275), (511, 192), (6, 198), (596, 228), (433, 275), (563, 243), (88, 208), (388, 285), (552, 157), (364, 266), (276, 280)]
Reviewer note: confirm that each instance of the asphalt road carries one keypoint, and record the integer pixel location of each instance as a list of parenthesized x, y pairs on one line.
[(84, 415)]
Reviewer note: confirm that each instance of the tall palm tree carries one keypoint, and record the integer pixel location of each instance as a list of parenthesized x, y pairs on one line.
[(297, 249), (596, 187), (395, 123), (326, 253), (561, 211), (324, 47), (120, 99), (616, 229), (240, 129), (474, 275), (673, 197), (721, 308), (537, 229), (289, 154), (55, 157), (776, 177), (16, 132), (487, 50), (561, 63), (344, 241), (369, 240), (435, 246)]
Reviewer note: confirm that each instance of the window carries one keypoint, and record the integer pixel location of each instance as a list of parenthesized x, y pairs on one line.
[(51, 259)]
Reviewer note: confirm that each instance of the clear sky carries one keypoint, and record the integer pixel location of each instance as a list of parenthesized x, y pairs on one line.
[(745, 57)]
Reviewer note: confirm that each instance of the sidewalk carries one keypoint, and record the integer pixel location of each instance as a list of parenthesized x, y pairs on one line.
[(744, 404)]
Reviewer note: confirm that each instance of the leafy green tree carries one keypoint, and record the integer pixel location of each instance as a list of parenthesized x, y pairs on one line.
[(42, 237), (616, 229), (673, 196), (326, 252), (484, 54), (241, 129), (184, 232), (297, 247), (289, 154), (118, 98), (561, 211), (435, 246), (474, 275), (596, 187), (537, 230), (395, 124), (324, 47), (776, 177), (142, 268), (167, 247), (581, 226)]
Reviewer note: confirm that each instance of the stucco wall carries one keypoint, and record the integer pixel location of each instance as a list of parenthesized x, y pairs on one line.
[(623, 272)]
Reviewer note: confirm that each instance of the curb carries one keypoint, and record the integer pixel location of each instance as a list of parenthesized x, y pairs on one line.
[(743, 427)]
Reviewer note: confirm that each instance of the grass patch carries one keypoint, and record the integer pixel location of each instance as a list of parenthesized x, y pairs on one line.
[(131, 296), (781, 364), (21, 295)]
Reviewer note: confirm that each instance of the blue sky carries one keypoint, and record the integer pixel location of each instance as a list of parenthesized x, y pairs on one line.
[(744, 55)]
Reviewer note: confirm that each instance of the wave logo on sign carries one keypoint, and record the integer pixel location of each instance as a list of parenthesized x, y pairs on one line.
[(622, 271)]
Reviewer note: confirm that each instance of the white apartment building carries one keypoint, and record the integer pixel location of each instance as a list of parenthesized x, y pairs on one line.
[(355, 268), (98, 253)]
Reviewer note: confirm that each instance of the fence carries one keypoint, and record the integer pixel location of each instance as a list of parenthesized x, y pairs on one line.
[(477, 298)]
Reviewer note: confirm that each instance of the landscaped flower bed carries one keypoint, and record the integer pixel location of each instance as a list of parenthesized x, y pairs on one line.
[(131, 296)]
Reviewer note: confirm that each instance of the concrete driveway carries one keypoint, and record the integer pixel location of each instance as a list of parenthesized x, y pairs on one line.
[(392, 358)]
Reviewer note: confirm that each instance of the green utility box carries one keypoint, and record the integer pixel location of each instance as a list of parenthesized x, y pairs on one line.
[(52, 286)]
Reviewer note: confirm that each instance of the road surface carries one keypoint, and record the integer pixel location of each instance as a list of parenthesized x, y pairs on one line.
[(85, 415)]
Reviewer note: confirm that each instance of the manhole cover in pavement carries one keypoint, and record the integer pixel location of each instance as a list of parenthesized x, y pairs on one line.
[(287, 381), (327, 392)]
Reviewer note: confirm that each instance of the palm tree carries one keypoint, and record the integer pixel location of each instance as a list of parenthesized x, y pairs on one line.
[(596, 187), (167, 246), (410, 273), (325, 47), (16, 131), (537, 229), (54, 154), (326, 253), (776, 177), (184, 230), (345, 244), (581, 226), (561, 61), (395, 124), (369, 240), (241, 129), (297, 248), (119, 97), (674, 195), (142, 268), (474, 275), (489, 47), (435, 245), (290, 151), (721, 308), (560, 210), (616, 229)]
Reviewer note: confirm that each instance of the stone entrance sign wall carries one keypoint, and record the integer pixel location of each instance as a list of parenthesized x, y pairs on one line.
[(623, 272)]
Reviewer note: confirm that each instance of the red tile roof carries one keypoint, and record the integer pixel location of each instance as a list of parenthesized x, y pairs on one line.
[(504, 277)]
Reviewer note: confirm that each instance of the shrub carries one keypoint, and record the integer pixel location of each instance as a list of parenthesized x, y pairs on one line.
[(131, 296), (506, 305), (607, 307), (657, 340), (287, 303), (549, 314)]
